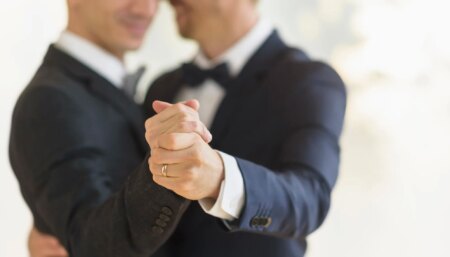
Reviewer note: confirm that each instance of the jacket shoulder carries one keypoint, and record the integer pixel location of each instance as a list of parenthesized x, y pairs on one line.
[(297, 66), (49, 93), (166, 77)]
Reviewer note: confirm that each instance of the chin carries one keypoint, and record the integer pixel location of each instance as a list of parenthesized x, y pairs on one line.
[(131, 43), (185, 32), (132, 46)]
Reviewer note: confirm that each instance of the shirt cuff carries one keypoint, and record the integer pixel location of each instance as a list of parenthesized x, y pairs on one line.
[(230, 202)]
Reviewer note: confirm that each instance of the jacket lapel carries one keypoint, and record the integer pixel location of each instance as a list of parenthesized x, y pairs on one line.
[(241, 88), (163, 91), (102, 89), (246, 83)]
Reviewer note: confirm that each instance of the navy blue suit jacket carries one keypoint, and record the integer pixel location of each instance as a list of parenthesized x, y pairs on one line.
[(281, 118)]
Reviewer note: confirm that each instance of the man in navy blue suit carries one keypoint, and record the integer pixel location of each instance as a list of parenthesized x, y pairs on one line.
[(264, 183)]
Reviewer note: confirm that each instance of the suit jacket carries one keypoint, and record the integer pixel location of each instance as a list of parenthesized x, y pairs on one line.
[(76, 147), (281, 118)]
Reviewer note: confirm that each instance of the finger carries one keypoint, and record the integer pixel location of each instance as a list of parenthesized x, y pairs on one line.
[(162, 156), (169, 183), (54, 253), (172, 115), (174, 109), (191, 126), (61, 252), (50, 241), (169, 127), (193, 103), (179, 118), (176, 141), (156, 169), (159, 106), (166, 110), (172, 170), (177, 125)]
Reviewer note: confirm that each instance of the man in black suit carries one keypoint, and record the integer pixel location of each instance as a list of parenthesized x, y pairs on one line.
[(276, 117), (77, 141)]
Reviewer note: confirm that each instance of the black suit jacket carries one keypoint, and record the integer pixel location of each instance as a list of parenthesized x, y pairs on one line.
[(75, 141), (281, 118)]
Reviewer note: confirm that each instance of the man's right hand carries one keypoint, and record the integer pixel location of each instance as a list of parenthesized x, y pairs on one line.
[(42, 245), (175, 118)]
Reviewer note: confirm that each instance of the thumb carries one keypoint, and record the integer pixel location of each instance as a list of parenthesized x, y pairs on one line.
[(160, 106)]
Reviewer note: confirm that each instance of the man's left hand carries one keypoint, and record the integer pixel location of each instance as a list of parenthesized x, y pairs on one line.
[(194, 170)]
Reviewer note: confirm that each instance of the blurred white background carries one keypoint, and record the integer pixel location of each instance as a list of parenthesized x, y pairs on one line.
[(392, 197)]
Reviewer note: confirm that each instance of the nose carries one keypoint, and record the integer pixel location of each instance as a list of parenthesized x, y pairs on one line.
[(144, 8)]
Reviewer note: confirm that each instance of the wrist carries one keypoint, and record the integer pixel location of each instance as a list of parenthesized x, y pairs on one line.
[(219, 178)]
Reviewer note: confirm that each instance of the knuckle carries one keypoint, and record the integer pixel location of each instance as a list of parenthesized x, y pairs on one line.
[(197, 138), (184, 126), (148, 123), (158, 180), (185, 186), (197, 162), (156, 156), (195, 114), (197, 156), (197, 126), (153, 167), (190, 166), (189, 174), (184, 116), (149, 136), (170, 141), (179, 107)]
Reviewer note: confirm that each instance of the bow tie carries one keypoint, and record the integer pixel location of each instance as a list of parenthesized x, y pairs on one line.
[(195, 76), (130, 82)]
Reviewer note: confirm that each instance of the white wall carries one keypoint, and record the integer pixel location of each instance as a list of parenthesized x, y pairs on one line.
[(392, 197)]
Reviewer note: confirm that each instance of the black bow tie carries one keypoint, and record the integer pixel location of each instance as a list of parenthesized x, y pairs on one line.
[(194, 76)]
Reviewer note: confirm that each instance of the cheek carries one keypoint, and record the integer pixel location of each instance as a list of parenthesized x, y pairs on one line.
[(110, 30), (117, 29)]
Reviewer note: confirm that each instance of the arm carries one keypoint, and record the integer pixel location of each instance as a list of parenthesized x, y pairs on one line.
[(64, 170), (292, 198)]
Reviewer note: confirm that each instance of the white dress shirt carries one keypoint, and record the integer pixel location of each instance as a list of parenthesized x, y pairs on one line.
[(94, 57), (231, 199)]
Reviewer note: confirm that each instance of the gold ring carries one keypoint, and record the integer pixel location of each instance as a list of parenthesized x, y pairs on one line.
[(164, 170)]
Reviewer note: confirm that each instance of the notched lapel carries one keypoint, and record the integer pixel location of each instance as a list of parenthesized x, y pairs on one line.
[(123, 104), (248, 82), (101, 88), (164, 89)]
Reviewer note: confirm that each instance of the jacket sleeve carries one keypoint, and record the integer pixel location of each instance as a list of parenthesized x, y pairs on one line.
[(292, 200), (53, 137)]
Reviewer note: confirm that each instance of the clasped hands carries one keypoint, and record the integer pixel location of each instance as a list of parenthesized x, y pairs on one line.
[(181, 159)]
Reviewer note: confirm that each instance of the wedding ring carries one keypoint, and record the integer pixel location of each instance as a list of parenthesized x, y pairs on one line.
[(164, 170)]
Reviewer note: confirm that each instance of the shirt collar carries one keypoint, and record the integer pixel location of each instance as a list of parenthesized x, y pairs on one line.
[(239, 54), (91, 55)]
